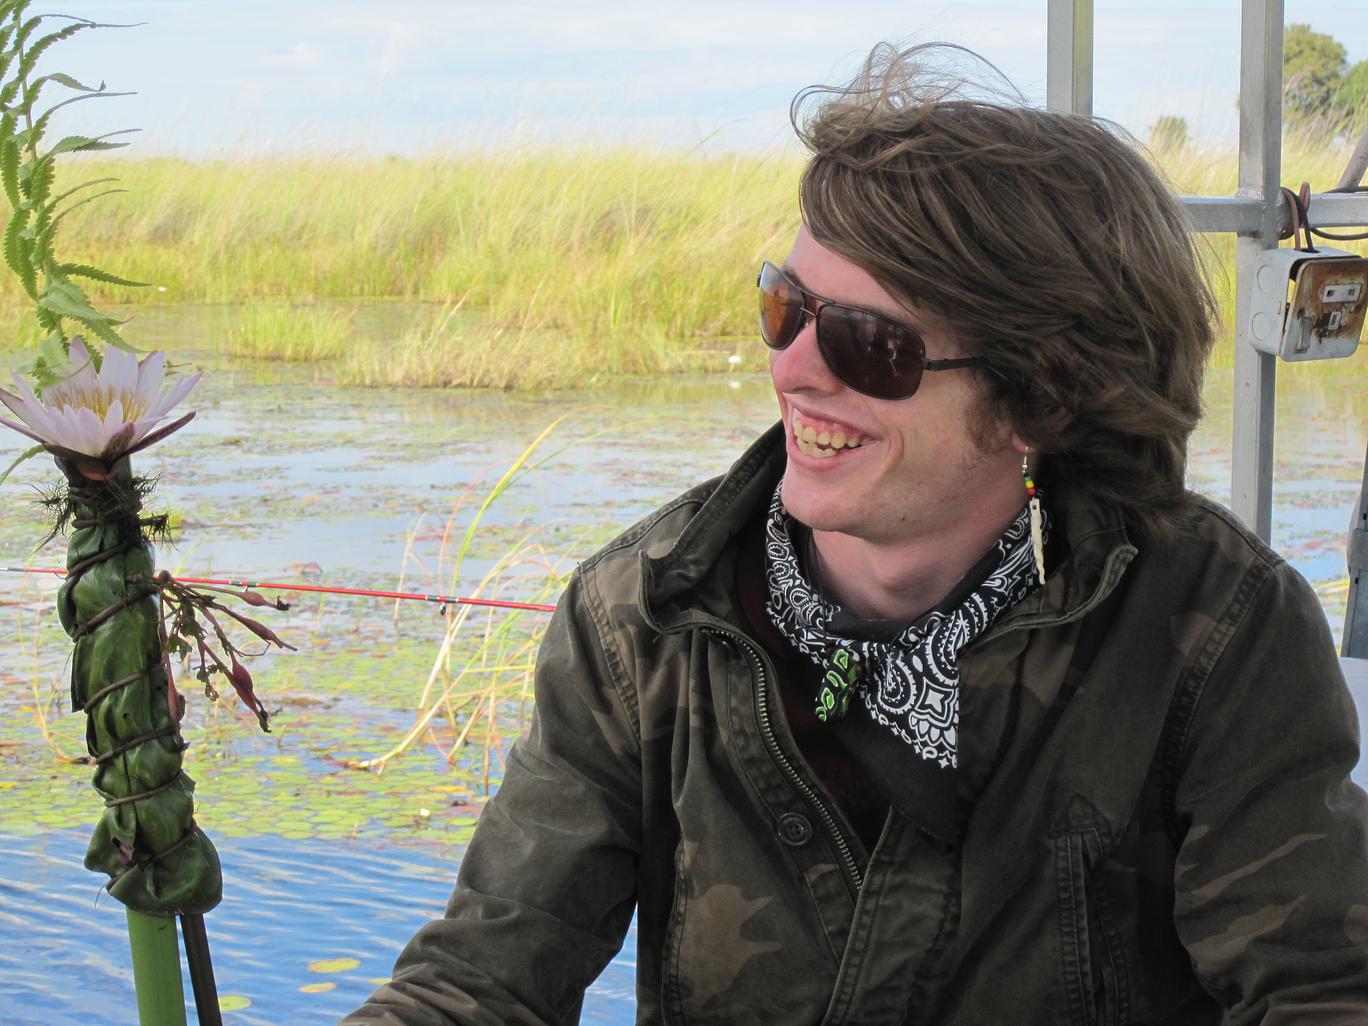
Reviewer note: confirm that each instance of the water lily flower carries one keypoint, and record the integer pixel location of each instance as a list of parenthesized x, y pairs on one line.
[(95, 419)]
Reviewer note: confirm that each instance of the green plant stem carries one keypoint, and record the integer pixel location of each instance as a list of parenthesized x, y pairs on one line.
[(156, 969)]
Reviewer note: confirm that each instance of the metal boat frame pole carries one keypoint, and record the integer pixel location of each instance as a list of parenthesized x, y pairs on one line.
[(1255, 215)]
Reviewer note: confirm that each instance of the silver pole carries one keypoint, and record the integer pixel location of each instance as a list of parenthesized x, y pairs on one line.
[(1251, 480), (1069, 56), (1357, 166), (1355, 640)]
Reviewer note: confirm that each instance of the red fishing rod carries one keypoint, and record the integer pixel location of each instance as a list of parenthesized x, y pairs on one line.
[(443, 600)]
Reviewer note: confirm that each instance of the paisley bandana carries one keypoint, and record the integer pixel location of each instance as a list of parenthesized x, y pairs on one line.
[(909, 685)]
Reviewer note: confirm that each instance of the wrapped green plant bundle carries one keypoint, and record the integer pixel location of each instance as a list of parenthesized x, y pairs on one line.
[(128, 621), (158, 860)]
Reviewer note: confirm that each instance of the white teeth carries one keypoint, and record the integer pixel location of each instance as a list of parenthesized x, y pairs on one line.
[(825, 443)]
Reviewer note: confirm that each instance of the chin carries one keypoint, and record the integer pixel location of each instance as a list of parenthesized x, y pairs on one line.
[(821, 512)]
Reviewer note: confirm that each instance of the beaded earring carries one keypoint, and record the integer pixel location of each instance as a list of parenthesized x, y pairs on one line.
[(1037, 522)]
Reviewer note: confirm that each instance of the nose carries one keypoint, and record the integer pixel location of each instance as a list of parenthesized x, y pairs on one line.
[(800, 367)]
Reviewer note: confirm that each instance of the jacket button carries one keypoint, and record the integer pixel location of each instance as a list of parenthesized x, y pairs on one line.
[(794, 830)]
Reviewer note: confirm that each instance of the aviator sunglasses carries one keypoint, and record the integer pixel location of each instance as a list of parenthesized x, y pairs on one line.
[(873, 354)]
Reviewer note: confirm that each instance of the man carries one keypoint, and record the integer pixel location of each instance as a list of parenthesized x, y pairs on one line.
[(821, 724)]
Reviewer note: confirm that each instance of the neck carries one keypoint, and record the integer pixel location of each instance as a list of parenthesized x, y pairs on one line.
[(902, 580)]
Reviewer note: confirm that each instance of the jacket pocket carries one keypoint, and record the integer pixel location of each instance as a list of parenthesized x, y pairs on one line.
[(1096, 983)]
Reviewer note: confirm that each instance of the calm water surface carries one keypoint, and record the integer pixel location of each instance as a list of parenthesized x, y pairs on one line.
[(284, 476)]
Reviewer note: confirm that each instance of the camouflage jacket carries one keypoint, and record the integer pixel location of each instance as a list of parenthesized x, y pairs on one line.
[(1155, 748)]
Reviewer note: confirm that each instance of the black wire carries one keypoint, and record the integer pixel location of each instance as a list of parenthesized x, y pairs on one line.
[(1337, 236), (1341, 236), (1299, 224)]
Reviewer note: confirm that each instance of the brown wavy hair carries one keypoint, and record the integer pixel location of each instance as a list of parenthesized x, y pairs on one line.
[(1046, 242)]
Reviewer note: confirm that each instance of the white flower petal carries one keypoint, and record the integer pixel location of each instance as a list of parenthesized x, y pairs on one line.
[(23, 430), (17, 406), (119, 374), (97, 413), (84, 379), (88, 430), (151, 373), (177, 392), (80, 434), (113, 418), (29, 410)]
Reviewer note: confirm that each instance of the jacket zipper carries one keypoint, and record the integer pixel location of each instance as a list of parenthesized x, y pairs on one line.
[(772, 743)]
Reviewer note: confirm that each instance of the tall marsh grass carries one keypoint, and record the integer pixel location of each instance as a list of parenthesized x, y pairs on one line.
[(628, 261), (280, 330), (545, 267)]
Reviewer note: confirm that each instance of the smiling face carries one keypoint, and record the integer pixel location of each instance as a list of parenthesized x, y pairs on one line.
[(917, 473)]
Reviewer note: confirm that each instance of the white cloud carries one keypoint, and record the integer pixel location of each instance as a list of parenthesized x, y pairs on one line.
[(400, 42), (301, 55)]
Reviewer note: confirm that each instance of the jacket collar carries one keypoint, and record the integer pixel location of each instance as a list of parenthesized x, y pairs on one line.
[(684, 587)]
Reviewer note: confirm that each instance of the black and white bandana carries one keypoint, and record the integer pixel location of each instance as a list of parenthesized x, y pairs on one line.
[(909, 685)]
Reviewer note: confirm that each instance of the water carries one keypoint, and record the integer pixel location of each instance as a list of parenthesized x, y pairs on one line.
[(288, 905), (284, 476)]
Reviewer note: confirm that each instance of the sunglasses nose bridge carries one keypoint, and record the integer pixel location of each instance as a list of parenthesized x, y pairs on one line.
[(802, 365)]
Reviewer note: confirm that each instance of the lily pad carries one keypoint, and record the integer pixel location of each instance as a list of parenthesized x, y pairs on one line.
[(317, 988), (234, 1002), (333, 965)]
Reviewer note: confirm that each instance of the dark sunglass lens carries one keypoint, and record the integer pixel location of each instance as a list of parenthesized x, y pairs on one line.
[(781, 308), (870, 353)]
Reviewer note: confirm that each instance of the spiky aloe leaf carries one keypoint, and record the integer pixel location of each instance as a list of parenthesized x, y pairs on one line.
[(95, 274), (27, 175), (11, 88), (38, 182), (65, 298), (18, 251), (102, 330), (6, 54), (9, 169), (48, 364), (30, 58), (65, 80), (45, 228), (84, 144), (40, 125), (83, 185), (57, 217)]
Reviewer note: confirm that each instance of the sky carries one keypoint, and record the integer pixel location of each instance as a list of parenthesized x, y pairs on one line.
[(216, 77)]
